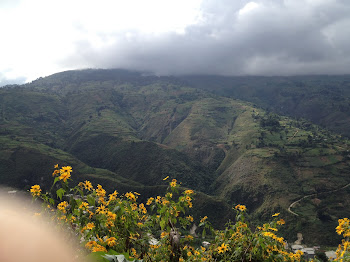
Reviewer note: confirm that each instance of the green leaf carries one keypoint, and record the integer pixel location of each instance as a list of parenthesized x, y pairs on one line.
[(162, 224), (116, 209), (81, 192), (73, 203), (91, 200), (203, 233), (60, 192), (55, 181), (51, 201), (97, 257)]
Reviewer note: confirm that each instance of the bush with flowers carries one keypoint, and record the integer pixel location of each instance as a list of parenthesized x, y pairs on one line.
[(112, 225)]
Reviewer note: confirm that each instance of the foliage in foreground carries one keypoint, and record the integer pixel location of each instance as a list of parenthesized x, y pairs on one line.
[(116, 227)]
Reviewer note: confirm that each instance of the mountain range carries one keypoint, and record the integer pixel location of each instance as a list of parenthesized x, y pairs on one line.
[(265, 142)]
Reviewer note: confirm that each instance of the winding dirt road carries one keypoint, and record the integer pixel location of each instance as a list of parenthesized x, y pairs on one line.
[(311, 195)]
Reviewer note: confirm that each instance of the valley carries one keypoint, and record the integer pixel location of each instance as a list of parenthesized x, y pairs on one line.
[(128, 131)]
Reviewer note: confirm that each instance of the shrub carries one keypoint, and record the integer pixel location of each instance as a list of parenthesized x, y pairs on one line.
[(111, 225)]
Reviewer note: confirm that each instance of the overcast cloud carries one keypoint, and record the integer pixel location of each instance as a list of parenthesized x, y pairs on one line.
[(226, 37)]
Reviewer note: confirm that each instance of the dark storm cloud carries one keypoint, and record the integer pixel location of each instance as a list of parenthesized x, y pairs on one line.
[(268, 37)]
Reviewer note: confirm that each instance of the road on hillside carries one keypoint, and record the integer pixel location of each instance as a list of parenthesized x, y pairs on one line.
[(315, 194)]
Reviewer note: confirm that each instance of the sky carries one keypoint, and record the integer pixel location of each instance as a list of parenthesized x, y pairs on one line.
[(174, 37)]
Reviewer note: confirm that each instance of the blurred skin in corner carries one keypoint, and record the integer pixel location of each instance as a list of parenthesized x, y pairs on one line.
[(31, 238)]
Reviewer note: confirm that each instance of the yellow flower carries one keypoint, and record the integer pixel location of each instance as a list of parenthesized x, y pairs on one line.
[(101, 210), (100, 192), (149, 201), (35, 190), (164, 234), (98, 248), (280, 239), (133, 206), (65, 173), (165, 178), (55, 166), (344, 226), (67, 169), (276, 214), (189, 238), (62, 206), (299, 252), (223, 248), (170, 195), (241, 207), (84, 205), (56, 172), (339, 230), (130, 196), (142, 208), (90, 226), (134, 236), (189, 192), (203, 219), (173, 183), (64, 177), (113, 196), (111, 215), (111, 241), (281, 222), (133, 251), (190, 218), (90, 244), (88, 185)]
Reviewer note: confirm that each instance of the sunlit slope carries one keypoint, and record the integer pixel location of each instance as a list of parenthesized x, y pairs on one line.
[(212, 128), (292, 157)]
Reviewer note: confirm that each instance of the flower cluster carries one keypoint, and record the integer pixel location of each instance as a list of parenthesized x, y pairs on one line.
[(241, 208), (64, 173), (118, 224), (35, 190), (343, 251)]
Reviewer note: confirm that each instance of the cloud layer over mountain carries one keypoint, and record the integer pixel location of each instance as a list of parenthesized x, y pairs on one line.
[(264, 37)]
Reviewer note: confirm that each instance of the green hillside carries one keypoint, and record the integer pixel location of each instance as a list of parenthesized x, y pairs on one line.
[(129, 131), (323, 100)]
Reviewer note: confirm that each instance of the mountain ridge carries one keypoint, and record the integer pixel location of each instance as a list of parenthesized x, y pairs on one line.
[(136, 130)]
